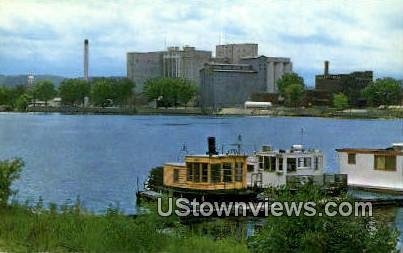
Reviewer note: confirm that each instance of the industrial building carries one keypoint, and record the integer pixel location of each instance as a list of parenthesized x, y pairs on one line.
[(233, 53), (174, 62), (333, 83), (229, 85)]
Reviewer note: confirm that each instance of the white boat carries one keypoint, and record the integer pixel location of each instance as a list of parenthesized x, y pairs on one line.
[(378, 169), (274, 168)]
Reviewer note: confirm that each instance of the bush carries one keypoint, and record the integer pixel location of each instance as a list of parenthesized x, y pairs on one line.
[(9, 171), (320, 233), (340, 101)]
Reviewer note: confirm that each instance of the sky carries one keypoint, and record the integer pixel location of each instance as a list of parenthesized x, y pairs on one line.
[(46, 37)]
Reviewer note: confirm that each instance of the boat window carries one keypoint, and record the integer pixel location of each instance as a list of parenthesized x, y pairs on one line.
[(351, 158), (291, 164), (215, 173), (385, 162), (204, 167), (260, 162), (280, 164), (251, 168), (196, 172), (307, 162), (269, 163), (176, 175), (189, 175), (238, 172), (300, 162), (227, 172)]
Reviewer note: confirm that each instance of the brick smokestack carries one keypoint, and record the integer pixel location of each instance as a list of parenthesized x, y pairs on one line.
[(326, 71), (86, 59)]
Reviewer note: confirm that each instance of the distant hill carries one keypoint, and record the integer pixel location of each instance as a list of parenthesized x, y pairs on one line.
[(13, 80)]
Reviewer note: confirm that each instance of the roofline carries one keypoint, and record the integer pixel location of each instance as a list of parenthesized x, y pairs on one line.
[(370, 151)]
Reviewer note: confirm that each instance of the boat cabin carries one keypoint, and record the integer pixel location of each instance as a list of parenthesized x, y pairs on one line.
[(373, 168), (207, 172), (271, 168)]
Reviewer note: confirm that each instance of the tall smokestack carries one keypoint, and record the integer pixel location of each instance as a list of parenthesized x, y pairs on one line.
[(326, 72), (86, 59)]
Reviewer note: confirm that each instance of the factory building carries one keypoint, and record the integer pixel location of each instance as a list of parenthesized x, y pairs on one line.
[(353, 83), (229, 85), (333, 83), (174, 62), (233, 53)]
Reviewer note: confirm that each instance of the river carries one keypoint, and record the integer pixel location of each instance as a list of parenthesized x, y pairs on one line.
[(100, 157)]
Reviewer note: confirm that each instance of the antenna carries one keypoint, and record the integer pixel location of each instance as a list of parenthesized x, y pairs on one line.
[(302, 135)]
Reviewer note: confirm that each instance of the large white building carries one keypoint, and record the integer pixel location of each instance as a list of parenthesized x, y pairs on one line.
[(373, 168)]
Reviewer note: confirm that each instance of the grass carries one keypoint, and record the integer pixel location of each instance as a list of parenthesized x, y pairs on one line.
[(24, 229)]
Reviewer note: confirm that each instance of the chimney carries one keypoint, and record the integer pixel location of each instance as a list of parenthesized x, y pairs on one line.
[(211, 146), (86, 59), (326, 72)]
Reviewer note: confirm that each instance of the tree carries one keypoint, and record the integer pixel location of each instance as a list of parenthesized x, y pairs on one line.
[(321, 233), (288, 79), (340, 101), (169, 91), (385, 91), (9, 171), (44, 90), (22, 102), (123, 91), (294, 94), (73, 91), (101, 92)]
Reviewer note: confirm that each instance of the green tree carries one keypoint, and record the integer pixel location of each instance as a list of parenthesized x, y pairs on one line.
[(169, 91), (101, 92), (9, 171), (287, 80), (294, 94), (321, 233), (340, 101), (44, 90), (6, 96), (22, 102), (73, 91), (123, 91), (385, 91)]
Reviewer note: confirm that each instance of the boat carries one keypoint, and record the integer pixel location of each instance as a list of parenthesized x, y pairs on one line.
[(295, 166), (373, 168)]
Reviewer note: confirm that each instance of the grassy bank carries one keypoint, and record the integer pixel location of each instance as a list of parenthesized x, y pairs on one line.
[(24, 229)]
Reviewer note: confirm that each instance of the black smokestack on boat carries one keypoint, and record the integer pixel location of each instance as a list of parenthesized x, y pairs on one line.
[(211, 146)]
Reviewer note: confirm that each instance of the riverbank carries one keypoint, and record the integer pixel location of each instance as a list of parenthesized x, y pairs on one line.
[(324, 112), (69, 229)]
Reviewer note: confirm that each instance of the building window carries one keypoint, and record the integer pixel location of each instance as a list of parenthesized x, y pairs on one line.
[(250, 167), (176, 175), (215, 173), (238, 172), (189, 175), (351, 158), (204, 167), (385, 162), (227, 172)]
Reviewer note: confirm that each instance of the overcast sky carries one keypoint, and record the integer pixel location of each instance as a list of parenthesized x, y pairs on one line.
[(46, 37)]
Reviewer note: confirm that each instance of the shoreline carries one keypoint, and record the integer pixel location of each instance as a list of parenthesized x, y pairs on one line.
[(368, 113)]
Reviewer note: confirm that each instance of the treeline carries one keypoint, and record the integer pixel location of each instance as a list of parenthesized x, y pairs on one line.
[(72, 92), (383, 91), (169, 92)]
